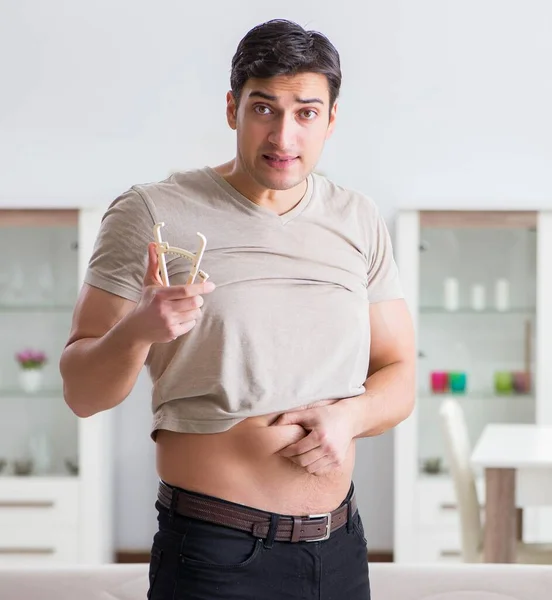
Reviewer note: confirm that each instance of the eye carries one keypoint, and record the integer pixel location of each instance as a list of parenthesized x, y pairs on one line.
[(262, 109), (309, 114)]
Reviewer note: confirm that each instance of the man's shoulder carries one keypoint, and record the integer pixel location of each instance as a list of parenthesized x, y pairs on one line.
[(156, 201), (178, 182), (340, 196)]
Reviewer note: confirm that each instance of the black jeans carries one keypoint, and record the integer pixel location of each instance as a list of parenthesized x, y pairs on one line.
[(196, 560)]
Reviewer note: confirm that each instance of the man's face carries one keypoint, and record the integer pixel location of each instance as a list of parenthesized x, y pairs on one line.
[(281, 124)]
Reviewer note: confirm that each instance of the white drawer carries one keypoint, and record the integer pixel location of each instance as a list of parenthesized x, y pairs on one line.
[(35, 515), (36, 502), (44, 536), (46, 545), (442, 546), (437, 504)]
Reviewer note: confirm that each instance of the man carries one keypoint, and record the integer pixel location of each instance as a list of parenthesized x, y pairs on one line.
[(263, 380)]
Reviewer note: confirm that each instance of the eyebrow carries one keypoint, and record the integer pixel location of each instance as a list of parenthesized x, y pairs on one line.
[(265, 96)]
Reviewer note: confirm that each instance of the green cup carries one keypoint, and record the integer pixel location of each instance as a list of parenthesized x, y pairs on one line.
[(457, 382), (503, 382)]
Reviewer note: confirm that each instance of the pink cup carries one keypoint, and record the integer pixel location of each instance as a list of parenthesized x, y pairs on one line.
[(439, 382), (521, 382)]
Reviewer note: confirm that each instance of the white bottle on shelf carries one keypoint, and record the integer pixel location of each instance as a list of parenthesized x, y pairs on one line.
[(502, 295), (451, 296)]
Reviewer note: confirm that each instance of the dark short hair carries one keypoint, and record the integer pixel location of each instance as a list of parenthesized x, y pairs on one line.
[(281, 47)]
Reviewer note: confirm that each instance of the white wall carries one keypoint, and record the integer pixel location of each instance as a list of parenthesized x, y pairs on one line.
[(444, 103)]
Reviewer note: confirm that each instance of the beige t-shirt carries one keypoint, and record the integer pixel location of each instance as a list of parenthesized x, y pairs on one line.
[(288, 323)]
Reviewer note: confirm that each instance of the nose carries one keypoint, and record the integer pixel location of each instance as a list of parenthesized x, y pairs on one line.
[(282, 134)]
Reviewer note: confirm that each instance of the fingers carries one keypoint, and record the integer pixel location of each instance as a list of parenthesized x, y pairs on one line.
[(286, 419), (180, 324), (322, 466), (316, 462), (307, 444), (176, 313), (193, 303), (183, 328), (313, 453), (310, 457), (306, 418)]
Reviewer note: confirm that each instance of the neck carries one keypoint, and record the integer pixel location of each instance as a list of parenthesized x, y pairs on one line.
[(280, 201)]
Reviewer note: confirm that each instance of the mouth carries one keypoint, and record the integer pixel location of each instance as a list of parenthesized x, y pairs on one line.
[(280, 162)]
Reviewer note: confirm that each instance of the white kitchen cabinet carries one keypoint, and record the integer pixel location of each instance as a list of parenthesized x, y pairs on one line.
[(56, 480), (479, 288)]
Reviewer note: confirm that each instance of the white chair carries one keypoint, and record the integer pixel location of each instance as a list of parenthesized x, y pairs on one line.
[(457, 452)]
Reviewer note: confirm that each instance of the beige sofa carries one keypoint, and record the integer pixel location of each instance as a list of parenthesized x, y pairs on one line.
[(389, 582)]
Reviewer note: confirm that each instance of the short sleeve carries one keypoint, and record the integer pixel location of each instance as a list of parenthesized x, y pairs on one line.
[(119, 259), (383, 276)]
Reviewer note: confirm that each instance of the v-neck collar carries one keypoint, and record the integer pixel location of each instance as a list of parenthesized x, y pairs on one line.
[(263, 211)]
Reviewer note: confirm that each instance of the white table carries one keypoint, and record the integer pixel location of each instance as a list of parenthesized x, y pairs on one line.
[(517, 460)]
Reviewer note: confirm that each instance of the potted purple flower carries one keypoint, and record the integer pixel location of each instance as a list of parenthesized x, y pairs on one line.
[(31, 363)]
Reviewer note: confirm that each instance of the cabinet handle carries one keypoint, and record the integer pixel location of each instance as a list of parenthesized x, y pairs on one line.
[(448, 506), (26, 504), (27, 551), (450, 553)]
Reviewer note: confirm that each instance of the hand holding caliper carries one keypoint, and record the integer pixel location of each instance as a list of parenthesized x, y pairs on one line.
[(166, 312), (164, 248)]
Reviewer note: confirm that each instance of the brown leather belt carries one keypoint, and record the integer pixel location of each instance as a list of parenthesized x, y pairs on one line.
[(311, 528)]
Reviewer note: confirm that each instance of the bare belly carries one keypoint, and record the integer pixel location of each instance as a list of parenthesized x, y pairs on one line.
[(243, 465)]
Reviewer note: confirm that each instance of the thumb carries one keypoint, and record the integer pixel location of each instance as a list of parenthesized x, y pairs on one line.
[(299, 417), (152, 276)]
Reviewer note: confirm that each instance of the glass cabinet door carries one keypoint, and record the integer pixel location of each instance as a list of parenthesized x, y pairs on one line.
[(476, 322), (38, 288)]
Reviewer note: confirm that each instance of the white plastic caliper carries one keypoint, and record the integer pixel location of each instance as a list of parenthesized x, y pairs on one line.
[(164, 248)]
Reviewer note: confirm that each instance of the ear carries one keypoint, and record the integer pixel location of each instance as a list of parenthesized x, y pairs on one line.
[(231, 110), (331, 124)]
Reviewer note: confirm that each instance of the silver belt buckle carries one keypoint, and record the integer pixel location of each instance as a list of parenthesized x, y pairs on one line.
[(328, 526)]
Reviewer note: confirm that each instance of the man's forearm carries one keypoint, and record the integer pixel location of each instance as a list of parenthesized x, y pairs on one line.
[(99, 373), (388, 400)]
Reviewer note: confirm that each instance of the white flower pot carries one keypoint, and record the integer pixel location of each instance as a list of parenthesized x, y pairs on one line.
[(30, 380)]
